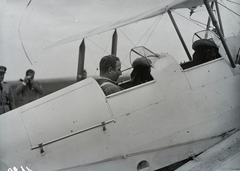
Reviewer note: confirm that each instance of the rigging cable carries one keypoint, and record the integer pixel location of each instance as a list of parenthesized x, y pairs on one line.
[(195, 21), (126, 37), (19, 34), (158, 20), (233, 2), (191, 20), (97, 45), (229, 9), (89, 49), (155, 22), (105, 51), (231, 12), (129, 41)]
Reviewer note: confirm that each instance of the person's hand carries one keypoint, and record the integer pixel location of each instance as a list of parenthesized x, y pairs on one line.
[(26, 79)]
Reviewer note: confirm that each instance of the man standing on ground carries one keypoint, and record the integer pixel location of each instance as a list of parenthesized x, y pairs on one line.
[(6, 96), (110, 70), (28, 88)]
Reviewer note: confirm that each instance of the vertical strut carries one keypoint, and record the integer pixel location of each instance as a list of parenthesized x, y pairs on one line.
[(114, 42), (208, 23), (219, 18), (179, 35), (81, 57)]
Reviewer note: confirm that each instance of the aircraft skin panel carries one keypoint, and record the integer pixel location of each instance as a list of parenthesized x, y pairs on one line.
[(157, 158), (157, 121), (84, 147), (144, 126), (168, 74), (144, 130), (190, 129), (13, 135), (205, 74), (65, 113), (145, 95)]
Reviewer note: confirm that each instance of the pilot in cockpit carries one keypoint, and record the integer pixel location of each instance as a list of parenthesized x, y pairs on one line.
[(141, 71), (110, 70)]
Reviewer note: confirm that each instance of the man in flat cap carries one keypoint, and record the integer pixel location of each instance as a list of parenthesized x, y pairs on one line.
[(6, 96), (29, 89)]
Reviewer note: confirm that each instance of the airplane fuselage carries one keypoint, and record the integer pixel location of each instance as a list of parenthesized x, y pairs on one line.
[(160, 122)]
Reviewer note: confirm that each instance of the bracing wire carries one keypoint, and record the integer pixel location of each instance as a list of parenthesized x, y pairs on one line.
[(156, 21), (126, 37), (233, 2), (97, 45), (200, 23), (89, 49), (229, 9), (107, 46), (130, 42), (159, 18), (124, 60), (234, 16), (191, 20)]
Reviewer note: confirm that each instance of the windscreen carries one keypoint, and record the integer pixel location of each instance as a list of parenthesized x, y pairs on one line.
[(143, 52)]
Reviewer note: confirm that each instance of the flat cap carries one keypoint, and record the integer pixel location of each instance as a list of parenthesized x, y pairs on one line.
[(3, 69), (141, 61)]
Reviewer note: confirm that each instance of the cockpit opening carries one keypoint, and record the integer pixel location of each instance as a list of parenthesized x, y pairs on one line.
[(142, 60), (141, 71), (206, 48)]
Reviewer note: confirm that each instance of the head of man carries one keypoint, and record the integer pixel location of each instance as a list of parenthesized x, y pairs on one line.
[(2, 73), (110, 67), (30, 74)]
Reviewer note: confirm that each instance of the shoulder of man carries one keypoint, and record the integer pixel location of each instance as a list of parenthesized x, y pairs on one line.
[(7, 87), (110, 88), (107, 83), (103, 81)]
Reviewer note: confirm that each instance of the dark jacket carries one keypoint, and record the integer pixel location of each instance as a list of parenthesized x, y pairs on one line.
[(7, 102), (29, 93)]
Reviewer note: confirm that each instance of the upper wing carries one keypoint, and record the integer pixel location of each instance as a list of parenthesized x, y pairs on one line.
[(145, 15)]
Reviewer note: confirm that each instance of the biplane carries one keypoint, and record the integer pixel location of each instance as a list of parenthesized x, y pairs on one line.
[(181, 112)]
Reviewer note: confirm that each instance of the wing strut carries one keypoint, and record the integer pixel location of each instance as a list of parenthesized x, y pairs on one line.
[(219, 18), (179, 35), (81, 58), (208, 23), (214, 21), (114, 42)]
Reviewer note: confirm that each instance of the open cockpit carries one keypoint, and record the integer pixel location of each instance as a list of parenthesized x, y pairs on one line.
[(142, 60), (206, 48)]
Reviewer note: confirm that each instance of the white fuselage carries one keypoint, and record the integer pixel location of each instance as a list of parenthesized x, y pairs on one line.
[(161, 121)]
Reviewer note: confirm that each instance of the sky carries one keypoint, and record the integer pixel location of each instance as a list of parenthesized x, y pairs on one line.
[(44, 22)]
